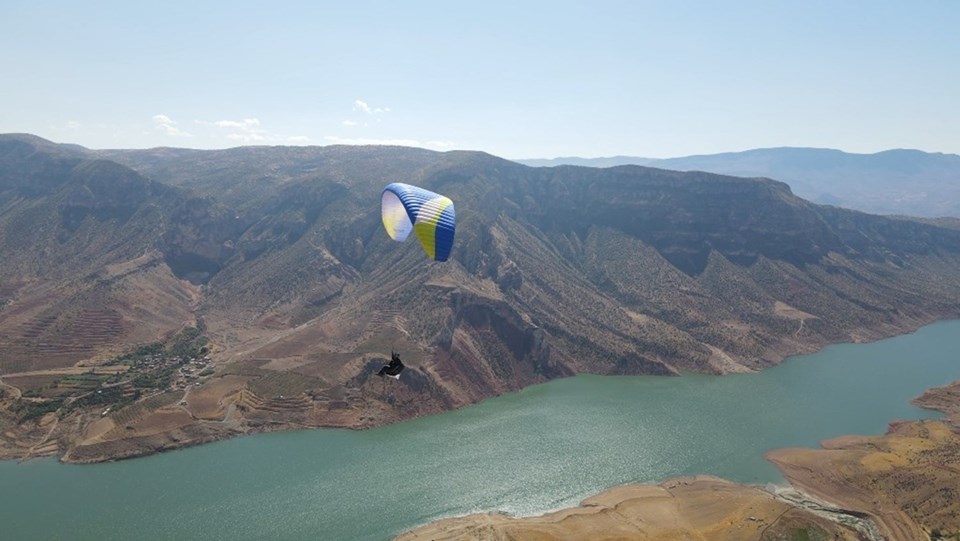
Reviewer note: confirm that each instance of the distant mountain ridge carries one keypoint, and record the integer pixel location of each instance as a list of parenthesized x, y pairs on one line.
[(612, 161), (906, 182), (279, 255)]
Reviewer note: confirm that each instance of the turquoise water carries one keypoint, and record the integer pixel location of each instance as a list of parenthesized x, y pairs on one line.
[(525, 453)]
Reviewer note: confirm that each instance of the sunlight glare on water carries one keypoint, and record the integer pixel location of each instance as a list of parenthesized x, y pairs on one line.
[(524, 453)]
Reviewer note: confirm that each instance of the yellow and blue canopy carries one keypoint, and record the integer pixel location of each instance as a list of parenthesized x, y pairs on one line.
[(431, 216)]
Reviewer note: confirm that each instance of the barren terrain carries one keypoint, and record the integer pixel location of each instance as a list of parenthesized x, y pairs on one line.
[(162, 298), (907, 480), (902, 486), (698, 508)]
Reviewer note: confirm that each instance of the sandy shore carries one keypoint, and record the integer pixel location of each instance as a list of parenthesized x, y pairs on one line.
[(694, 508), (907, 480), (902, 486)]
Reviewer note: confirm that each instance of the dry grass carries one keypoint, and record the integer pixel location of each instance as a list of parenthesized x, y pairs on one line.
[(783, 309), (208, 401), (277, 384), (688, 508), (908, 479), (31, 383), (131, 414), (58, 327), (163, 420)]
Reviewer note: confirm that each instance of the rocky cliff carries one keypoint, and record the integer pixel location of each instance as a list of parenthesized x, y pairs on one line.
[(279, 255)]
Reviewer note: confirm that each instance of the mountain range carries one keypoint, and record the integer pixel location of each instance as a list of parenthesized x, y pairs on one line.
[(904, 182), (277, 255)]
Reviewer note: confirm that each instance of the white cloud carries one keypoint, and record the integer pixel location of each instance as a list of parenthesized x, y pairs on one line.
[(247, 130), (166, 125), (368, 114), (245, 124), (299, 139), (72, 125), (362, 106), (245, 137), (394, 142), (440, 144)]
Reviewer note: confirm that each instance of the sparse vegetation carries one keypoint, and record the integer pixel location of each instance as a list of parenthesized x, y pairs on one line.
[(555, 271), (187, 344), (115, 396), (158, 379), (152, 367), (288, 384), (26, 410)]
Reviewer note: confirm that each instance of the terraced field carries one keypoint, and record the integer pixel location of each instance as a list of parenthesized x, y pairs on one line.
[(254, 403), (134, 412), (57, 340)]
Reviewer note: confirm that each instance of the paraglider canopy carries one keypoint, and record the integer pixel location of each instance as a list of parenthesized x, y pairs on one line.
[(405, 208)]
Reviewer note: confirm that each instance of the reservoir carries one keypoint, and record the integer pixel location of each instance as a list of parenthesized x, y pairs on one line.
[(525, 453)]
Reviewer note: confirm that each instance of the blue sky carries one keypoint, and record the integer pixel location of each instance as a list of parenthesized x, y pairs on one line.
[(516, 79)]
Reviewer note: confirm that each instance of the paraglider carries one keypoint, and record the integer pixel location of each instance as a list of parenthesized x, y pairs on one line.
[(405, 208), (394, 368)]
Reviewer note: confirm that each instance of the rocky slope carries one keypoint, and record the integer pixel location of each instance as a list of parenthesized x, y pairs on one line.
[(95, 256), (277, 255)]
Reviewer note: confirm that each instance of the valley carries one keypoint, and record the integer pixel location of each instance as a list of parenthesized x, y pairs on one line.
[(273, 258), (419, 271)]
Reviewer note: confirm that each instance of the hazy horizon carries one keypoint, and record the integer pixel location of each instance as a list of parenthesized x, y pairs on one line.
[(528, 81), (518, 159)]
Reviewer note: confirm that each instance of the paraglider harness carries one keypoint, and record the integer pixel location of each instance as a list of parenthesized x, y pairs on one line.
[(394, 368)]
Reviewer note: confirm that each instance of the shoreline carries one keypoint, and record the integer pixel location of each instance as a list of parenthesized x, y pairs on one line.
[(811, 474), (198, 431), (813, 491), (699, 506)]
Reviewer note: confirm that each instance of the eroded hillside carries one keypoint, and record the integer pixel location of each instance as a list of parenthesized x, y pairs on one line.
[(277, 258)]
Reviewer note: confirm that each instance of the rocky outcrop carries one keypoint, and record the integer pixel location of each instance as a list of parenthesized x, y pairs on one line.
[(906, 480), (555, 271)]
